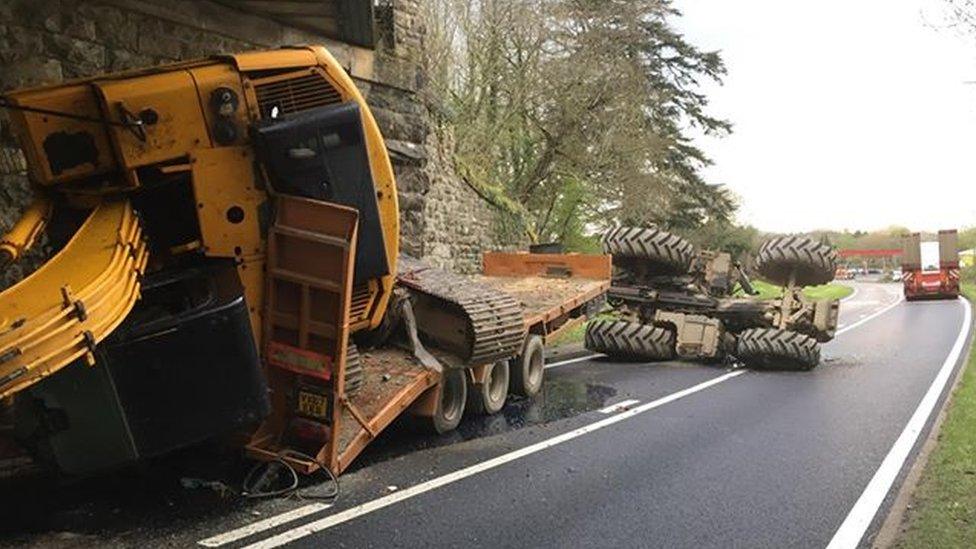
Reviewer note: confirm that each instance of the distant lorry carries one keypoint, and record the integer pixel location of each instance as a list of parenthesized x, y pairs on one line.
[(930, 270)]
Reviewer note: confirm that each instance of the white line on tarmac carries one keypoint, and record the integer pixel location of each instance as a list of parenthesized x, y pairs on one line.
[(304, 530), (262, 525), (339, 518), (851, 295), (869, 317), (859, 519), (573, 360), (620, 406)]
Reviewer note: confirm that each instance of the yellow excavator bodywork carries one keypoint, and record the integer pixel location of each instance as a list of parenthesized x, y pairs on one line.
[(144, 127), (175, 169)]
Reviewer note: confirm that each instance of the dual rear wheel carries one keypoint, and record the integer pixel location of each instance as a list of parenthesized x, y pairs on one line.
[(522, 375)]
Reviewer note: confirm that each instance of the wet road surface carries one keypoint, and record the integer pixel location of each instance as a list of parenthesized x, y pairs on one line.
[(697, 456)]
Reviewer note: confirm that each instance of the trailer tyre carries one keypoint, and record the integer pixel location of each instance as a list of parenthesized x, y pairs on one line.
[(658, 247), (775, 349), (629, 340), (814, 263), (489, 397), (452, 397), (527, 370)]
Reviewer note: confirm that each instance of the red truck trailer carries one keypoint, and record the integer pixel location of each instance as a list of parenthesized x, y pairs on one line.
[(930, 270)]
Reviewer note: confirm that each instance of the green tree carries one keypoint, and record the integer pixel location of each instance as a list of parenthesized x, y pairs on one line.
[(575, 114)]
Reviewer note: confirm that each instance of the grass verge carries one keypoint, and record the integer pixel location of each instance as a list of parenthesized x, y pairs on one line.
[(826, 291), (943, 508)]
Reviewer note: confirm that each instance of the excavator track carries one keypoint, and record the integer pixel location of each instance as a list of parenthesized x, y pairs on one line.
[(473, 322)]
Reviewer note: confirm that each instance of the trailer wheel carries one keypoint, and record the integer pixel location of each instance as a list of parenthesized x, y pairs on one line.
[(451, 399), (354, 370), (629, 340), (528, 369), (775, 349), (490, 396), (658, 247), (814, 263)]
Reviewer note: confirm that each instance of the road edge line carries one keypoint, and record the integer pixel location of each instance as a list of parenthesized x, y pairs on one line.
[(890, 528), (325, 523), (859, 519)]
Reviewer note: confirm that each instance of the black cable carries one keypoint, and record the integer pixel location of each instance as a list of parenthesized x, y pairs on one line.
[(252, 489), (6, 104)]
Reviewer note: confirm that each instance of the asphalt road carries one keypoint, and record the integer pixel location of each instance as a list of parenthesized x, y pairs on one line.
[(700, 456)]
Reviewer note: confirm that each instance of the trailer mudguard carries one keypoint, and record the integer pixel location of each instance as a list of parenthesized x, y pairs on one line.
[(61, 311)]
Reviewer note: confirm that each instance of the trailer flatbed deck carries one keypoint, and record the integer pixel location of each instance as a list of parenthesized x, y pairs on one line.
[(554, 291)]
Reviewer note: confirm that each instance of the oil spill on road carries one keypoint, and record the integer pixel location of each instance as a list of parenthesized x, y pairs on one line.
[(559, 399)]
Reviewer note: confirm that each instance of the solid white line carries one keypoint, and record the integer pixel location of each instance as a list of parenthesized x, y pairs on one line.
[(349, 514), (262, 525), (622, 405), (573, 360), (869, 317), (859, 519)]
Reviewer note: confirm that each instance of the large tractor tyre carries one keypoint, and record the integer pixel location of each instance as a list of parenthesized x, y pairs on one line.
[(629, 340), (527, 370), (489, 397), (775, 349), (655, 246), (354, 369), (812, 262), (452, 396)]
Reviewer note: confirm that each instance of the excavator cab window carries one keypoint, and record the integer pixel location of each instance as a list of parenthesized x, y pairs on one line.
[(321, 154)]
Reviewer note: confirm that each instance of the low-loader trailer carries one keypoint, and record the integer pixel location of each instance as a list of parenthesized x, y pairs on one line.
[(930, 270), (227, 236)]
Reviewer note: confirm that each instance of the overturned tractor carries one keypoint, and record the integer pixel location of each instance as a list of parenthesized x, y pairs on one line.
[(670, 301)]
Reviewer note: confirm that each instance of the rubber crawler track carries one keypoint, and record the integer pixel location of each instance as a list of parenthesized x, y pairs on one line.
[(354, 369)]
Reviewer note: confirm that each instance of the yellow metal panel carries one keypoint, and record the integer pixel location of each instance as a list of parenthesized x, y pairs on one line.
[(74, 301), (227, 201), (274, 59), (181, 127), (208, 79), (382, 170), (57, 132)]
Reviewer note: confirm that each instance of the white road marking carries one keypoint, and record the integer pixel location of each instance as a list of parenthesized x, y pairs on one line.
[(869, 317), (851, 295), (622, 405), (262, 525), (863, 303), (573, 360), (308, 529), (859, 519), (368, 507)]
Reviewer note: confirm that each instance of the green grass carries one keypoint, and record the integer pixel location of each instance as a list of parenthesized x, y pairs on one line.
[(827, 291), (573, 335), (943, 512)]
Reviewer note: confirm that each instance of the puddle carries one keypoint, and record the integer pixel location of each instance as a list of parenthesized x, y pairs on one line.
[(558, 400)]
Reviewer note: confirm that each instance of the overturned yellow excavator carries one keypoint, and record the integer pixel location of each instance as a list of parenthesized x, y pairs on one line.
[(226, 232)]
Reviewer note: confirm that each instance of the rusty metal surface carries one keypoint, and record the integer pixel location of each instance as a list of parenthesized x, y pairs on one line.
[(493, 320)]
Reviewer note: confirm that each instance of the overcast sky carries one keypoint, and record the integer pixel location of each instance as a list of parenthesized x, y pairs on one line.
[(848, 113)]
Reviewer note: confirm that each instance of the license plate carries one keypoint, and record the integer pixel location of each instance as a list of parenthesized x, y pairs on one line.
[(313, 405)]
